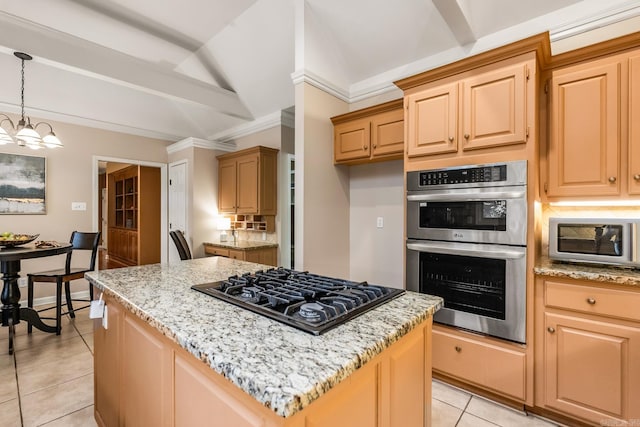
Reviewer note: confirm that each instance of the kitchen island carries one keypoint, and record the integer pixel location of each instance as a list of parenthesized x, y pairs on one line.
[(174, 356)]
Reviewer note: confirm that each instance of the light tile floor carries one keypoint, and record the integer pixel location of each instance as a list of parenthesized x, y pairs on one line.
[(49, 383)]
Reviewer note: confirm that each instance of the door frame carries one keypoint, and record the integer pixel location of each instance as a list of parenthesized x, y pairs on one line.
[(164, 220), (187, 220)]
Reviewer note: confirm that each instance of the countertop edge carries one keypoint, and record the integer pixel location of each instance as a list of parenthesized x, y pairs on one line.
[(596, 273)]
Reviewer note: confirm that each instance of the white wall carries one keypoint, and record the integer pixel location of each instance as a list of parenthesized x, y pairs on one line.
[(376, 254)]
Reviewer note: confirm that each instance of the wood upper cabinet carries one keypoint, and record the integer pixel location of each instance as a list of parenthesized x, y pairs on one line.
[(371, 134), (247, 182), (486, 108), (587, 350), (584, 139), (634, 126)]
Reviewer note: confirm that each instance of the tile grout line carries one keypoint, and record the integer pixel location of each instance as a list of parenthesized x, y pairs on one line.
[(15, 371), (65, 415), (463, 410)]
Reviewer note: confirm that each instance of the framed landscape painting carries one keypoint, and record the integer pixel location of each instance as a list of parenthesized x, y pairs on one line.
[(22, 184)]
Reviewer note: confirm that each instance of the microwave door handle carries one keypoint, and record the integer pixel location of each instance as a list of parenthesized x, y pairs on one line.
[(481, 251), (457, 196)]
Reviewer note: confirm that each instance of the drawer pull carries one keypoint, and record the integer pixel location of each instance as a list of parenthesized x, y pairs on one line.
[(591, 301), (365, 148), (458, 348), (612, 179), (466, 136), (636, 177), (551, 329), (451, 140)]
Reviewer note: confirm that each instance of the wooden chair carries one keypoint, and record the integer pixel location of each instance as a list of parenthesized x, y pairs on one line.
[(181, 244), (80, 242)]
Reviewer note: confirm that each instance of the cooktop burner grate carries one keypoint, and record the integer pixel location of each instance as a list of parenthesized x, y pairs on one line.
[(307, 301)]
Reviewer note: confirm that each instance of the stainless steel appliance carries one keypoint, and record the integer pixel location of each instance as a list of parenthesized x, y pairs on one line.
[(466, 242), (613, 241), (306, 301)]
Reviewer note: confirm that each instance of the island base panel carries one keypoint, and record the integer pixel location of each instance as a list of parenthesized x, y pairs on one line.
[(392, 389)]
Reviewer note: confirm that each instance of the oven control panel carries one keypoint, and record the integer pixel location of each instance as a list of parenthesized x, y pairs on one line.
[(494, 173)]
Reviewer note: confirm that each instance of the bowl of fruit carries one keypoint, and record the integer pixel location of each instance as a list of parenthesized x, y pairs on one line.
[(9, 239)]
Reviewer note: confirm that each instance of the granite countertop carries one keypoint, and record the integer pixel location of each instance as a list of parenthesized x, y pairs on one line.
[(253, 351), (598, 273), (244, 245)]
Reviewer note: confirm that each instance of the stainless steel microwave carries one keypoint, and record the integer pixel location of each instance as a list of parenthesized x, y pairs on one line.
[(595, 240)]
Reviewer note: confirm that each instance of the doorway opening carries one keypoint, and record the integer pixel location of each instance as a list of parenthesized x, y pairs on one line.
[(131, 211)]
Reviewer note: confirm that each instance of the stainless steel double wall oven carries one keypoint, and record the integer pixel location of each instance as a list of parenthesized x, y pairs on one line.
[(466, 242)]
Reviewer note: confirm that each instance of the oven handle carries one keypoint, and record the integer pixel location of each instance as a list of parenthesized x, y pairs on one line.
[(464, 196), (478, 251)]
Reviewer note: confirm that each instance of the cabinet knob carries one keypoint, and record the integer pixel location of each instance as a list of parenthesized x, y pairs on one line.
[(612, 179), (466, 136), (365, 148), (636, 177), (450, 139), (591, 301), (458, 348), (551, 329), (375, 145)]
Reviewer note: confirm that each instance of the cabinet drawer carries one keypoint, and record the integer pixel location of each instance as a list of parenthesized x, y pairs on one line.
[(212, 250), (593, 300), (489, 366), (236, 254)]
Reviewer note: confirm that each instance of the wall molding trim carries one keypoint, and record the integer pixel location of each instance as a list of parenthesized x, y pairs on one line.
[(192, 142)]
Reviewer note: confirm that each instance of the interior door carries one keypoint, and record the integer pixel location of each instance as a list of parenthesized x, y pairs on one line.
[(177, 204)]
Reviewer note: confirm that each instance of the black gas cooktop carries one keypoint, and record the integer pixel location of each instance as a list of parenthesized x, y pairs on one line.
[(306, 301)]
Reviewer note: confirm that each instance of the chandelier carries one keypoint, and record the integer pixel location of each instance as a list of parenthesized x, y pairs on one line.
[(24, 134)]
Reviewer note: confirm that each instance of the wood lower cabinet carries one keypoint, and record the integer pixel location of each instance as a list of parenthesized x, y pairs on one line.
[(368, 135), (267, 256), (493, 365), (587, 351), (247, 182), (487, 108), (143, 378)]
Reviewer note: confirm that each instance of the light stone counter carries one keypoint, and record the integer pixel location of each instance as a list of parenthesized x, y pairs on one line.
[(283, 368), (598, 273), (244, 245)]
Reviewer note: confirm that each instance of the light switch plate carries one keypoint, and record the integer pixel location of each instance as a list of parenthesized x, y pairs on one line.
[(380, 222), (78, 206)]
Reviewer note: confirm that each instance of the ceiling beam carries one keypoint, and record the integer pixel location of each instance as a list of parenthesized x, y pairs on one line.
[(457, 21), (62, 50)]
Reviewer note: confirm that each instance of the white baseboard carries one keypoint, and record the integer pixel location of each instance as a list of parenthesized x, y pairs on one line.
[(52, 299)]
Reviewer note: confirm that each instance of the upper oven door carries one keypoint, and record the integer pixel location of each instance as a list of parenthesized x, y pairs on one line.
[(482, 215)]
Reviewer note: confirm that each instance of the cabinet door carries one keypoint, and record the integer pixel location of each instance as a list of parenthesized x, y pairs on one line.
[(584, 144), (351, 140), (494, 108), (591, 368), (146, 376), (432, 121), (199, 401), (387, 133), (634, 125), (106, 365), (247, 185), (227, 186)]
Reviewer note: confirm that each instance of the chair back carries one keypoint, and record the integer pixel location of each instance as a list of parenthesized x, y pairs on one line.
[(181, 244), (84, 242)]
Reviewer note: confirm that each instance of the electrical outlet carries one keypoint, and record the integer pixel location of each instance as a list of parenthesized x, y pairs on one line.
[(78, 206), (264, 235), (22, 282), (380, 222)]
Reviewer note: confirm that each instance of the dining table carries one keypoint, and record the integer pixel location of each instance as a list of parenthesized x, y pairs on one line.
[(10, 259)]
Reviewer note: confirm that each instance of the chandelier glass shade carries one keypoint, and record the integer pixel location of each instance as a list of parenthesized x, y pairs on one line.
[(25, 134)]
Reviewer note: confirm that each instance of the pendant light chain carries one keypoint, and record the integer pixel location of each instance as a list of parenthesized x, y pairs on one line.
[(22, 91)]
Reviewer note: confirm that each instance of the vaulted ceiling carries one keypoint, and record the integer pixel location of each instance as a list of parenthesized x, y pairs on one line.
[(202, 68)]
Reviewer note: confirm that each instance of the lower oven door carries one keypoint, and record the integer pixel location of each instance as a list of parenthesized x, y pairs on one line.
[(483, 285)]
